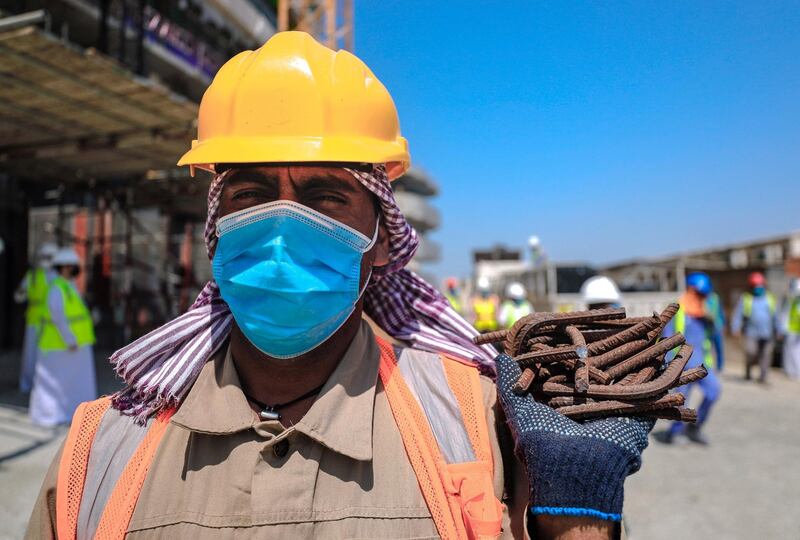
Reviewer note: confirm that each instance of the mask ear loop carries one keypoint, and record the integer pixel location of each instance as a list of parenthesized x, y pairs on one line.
[(369, 247)]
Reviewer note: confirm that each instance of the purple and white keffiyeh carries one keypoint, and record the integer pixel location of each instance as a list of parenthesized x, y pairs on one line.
[(160, 368)]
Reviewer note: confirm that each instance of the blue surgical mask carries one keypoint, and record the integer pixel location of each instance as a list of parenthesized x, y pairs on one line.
[(289, 274)]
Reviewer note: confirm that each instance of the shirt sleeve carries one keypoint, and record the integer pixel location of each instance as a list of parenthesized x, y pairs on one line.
[(42, 524), (55, 303)]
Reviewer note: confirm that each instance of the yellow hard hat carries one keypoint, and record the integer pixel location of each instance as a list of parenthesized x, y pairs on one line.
[(295, 100)]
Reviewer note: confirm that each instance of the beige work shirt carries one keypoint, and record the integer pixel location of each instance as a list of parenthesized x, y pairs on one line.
[(341, 472)]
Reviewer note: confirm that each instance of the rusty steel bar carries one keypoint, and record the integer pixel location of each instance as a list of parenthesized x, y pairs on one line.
[(634, 332), (666, 315), (524, 382), (692, 375), (523, 328), (566, 401), (490, 337), (614, 408), (592, 335), (547, 356), (540, 340), (638, 360), (659, 385), (642, 376), (617, 355), (674, 413)]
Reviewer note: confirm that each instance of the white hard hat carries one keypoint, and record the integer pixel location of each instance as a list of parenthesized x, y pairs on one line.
[(483, 283), (66, 257), (600, 290), (47, 249), (515, 290)]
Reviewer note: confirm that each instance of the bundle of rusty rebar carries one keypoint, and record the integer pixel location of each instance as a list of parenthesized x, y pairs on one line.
[(600, 363)]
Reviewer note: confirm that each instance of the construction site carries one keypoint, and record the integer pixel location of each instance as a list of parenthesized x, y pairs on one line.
[(99, 99)]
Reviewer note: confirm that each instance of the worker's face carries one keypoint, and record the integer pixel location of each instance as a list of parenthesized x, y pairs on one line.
[(69, 271), (328, 190), (696, 292)]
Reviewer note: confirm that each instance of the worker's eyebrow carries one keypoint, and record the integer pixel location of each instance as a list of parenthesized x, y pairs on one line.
[(327, 181), (252, 175)]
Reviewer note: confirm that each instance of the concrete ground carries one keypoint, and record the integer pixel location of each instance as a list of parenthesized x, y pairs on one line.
[(746, 485)]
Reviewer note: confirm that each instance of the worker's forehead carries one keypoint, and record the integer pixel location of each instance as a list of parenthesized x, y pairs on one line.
[(300, 175)]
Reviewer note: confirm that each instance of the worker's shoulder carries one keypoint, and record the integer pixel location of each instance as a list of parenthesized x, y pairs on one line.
[(105, 422)]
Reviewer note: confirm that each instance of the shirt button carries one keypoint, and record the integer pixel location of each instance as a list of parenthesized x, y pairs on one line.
[(281, 448)]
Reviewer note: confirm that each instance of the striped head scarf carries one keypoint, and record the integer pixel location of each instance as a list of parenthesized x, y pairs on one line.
[(160, 368)]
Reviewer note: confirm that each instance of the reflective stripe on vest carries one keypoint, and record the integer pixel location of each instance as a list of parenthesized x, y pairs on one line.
[(485, 314), (78, 318), (747, 304), (680, 326), (794, 317), (436, 402), (36, 290)]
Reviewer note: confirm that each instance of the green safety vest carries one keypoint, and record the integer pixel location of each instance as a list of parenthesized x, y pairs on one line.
[(78, 318), (747, 304), (454, 302), (794, 317), (511, 312), (37, 296), (680, 326)]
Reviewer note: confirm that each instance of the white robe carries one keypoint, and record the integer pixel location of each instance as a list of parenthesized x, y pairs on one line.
[(30, 350), (791, 355), (62, 379)]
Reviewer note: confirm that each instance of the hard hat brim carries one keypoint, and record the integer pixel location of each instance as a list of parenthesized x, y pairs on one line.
[(205, 154)]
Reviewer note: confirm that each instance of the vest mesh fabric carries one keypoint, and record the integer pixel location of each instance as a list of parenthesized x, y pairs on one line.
[(419, 444), (74, 462), (119, 509)]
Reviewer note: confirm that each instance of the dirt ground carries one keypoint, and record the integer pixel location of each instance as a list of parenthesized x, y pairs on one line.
[(745, 485)]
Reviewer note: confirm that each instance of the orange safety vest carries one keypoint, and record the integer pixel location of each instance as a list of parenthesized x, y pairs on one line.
[(452, 460)]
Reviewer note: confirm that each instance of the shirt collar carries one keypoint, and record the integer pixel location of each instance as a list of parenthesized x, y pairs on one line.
[(340, 418)]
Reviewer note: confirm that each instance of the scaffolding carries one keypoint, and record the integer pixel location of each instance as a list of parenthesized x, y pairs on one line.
[(330, 21)]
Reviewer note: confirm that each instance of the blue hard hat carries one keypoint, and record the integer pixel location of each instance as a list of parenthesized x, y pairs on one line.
[(700, 282)]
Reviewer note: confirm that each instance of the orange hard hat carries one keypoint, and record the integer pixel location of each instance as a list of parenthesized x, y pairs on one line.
[(757, 279), (451, 283)]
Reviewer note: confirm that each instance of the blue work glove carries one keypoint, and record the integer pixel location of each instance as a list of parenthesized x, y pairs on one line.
[(573, 469)]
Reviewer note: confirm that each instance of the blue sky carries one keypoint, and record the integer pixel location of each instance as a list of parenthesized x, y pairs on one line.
[(610, 129)]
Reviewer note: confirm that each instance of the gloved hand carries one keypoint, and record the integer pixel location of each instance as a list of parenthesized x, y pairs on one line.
[(573, 469)]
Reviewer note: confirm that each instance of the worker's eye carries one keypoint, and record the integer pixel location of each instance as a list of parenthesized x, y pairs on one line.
[(327, 198), (249, 194)]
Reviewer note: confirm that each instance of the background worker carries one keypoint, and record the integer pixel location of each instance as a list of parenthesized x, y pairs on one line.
[(697, 325), (64, 375), (515, 306), (754, 319), (600, 292), (453, 294), (484, 307), (791, 328), (33, 290), (272, 409)]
